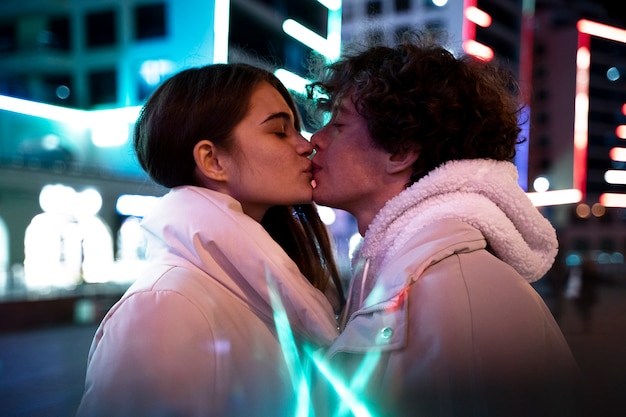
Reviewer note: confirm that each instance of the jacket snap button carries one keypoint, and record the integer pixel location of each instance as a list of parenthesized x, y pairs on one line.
[(386, 332)]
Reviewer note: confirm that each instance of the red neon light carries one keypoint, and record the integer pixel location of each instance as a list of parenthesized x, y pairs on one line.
[(613, 200), (478, 50), (581, 114), (601, 30), (618, 154), (469, 27), (477, 16)]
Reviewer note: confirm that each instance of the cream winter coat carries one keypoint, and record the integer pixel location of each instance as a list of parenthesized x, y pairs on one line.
[(444, 321), (211, 328)]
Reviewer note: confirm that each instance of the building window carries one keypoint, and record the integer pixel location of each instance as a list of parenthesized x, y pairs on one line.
[(101, 29), (150, 21), (8, 38), (403, 5), (102, 87), (59, 33), (374, 8), (15, 86)]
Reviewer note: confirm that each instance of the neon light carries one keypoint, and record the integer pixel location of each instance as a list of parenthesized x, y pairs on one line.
[(334, 34), (541, 184), (45, 111), (348, 398), (289, 349), (332, 5), (477, 16), (624, 109), (469, 27), (557, 197), (221, 22), (135, 205), (109, 127), (292, 81), (613, 200), (126, 114), (615, 176), (620, 131), (618, 154), (601, 30), (581, 113), (478, 50), (152, 71), (305, 35), (471, 17), (109, 132)]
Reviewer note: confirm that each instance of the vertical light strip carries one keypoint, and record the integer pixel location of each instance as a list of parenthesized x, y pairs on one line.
[(525, 76), (586, 29), (221, 27), (581, 112), (334, 30), (469, 27)]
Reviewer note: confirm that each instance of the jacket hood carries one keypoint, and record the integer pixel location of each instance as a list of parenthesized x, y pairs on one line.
[(480, 192), (207, 231)]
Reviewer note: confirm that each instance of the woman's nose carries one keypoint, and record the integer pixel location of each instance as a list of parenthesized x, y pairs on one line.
[(303, 146)]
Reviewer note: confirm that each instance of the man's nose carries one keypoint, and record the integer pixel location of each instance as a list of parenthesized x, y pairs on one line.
[(316, 139)]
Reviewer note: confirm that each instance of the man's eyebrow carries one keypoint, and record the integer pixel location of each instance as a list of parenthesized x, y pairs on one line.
[(280, 115), (341, 108)]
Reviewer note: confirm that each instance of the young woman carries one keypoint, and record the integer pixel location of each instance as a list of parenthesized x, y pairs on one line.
[(241, 271)]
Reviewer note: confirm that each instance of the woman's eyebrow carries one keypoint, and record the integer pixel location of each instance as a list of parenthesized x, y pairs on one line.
[(280, 115)]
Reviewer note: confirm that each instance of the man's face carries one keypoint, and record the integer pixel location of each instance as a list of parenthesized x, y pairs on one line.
[(349, 170)]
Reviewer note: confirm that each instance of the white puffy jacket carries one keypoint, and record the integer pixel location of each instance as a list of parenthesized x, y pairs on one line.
[(212, 327)]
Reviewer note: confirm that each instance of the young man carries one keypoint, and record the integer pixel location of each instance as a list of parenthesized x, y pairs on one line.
[(441, 318)]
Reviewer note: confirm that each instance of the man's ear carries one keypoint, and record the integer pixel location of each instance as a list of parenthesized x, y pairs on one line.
[(402, 160), (207, 158)]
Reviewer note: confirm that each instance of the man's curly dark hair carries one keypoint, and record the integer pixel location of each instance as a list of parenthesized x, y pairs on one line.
[(418, 95)]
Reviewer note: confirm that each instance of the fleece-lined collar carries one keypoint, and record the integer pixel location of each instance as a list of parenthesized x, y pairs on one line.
[(480, 192), (200, 229)]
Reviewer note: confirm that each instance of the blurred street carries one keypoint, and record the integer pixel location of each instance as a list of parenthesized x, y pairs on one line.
[(600, 348), (42, 370)]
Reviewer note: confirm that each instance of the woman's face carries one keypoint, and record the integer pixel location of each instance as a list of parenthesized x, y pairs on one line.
[(269, 165)]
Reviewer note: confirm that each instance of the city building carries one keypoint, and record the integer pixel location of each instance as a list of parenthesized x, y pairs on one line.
[(577, 139), (74, 73)]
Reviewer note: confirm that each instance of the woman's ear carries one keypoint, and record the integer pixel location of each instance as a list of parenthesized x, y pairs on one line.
[(402, 160), (206, 156)]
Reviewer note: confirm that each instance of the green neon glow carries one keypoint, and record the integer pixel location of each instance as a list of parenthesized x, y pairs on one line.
[(290, 351), (349, 401)]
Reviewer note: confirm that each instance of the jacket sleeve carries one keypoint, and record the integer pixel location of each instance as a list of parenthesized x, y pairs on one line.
[(153, 355)]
